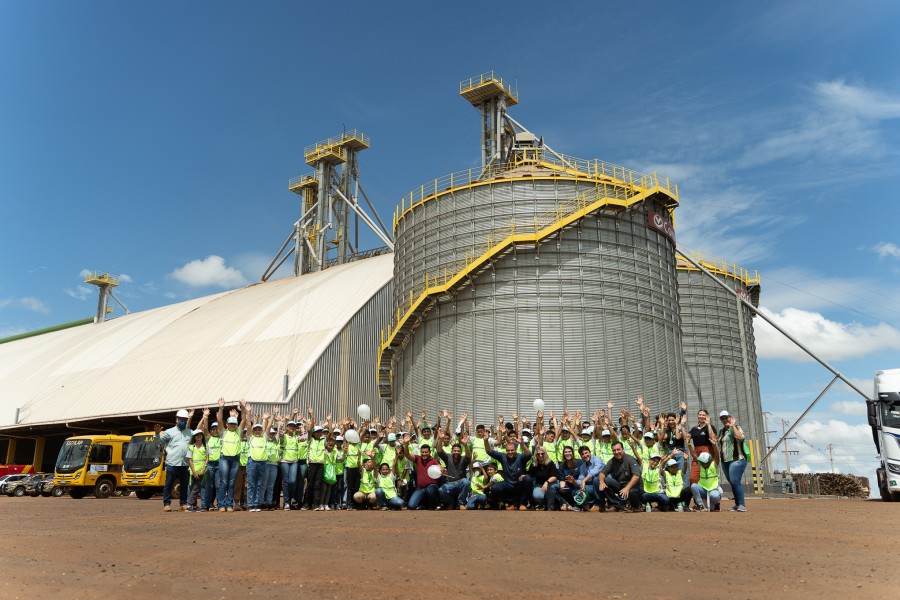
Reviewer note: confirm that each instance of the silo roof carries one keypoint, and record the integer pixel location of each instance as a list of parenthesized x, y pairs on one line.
[(236, 344)]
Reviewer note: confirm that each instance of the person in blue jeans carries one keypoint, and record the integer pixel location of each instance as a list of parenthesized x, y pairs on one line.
[(733, 452), (516, 488), (455, 490), (588, 471), (177, 440), (426, 485), (230, 458)]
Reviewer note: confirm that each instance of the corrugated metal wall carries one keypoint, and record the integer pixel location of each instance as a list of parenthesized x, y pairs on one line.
[(344, 375), (721, 371), (588, 316)]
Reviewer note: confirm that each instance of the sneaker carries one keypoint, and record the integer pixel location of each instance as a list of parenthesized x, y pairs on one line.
[(438, 507), (679, 508), (732, 509), (319, 508), (462, 507), (385, 508), (327, 508), (287, 507), (229, 509), (182, 508), (741, 508), (221, 509), (167, 508), (595, 509)]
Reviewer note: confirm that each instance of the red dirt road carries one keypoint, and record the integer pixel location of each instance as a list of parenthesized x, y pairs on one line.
[(125, 547)]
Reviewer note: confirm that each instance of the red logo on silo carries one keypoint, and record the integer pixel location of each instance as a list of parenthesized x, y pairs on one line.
[(659, 223)]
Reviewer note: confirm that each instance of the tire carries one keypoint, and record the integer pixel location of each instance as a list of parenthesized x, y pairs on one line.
[(57, 492), (144, 494), (77, 493), (46, 494), (104, 488), (19, 492), (895, 496)]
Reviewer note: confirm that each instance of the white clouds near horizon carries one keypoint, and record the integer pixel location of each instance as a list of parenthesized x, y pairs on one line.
[(209, 272)]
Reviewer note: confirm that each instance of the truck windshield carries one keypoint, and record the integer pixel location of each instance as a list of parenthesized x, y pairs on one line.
[(144, 453), (72, 455), (890, 415)]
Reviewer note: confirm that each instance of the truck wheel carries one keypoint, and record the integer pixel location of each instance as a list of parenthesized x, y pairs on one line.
[(57, 492), (19, 492), (144, 494), (77, 493), (104, 488)]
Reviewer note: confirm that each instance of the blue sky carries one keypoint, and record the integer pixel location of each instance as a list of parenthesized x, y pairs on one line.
[(155, 140)]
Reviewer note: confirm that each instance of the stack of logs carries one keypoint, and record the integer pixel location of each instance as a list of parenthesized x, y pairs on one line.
[(831, 484)]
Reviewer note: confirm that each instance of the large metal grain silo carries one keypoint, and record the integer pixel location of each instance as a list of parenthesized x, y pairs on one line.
[(720, 366)]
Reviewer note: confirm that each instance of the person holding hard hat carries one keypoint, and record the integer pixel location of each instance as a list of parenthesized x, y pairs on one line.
[(707, 494), (177, 440), (735, 453), (199, 460), (677, 494), (230, 457)]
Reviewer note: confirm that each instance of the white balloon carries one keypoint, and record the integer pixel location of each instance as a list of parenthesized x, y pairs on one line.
[(538, 404), (434, 472), (364, 411), (351, 436)]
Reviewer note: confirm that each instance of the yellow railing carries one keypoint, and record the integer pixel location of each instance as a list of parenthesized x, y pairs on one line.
[(596, 170), (473, 82), (298, 181), (100, 277), (722, 267), (613, 194), (353, 134)]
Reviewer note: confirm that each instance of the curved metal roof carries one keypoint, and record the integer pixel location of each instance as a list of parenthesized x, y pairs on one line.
[(235, 345)]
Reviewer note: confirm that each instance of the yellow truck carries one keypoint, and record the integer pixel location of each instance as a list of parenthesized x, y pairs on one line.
[(145, 465), (91, 464)]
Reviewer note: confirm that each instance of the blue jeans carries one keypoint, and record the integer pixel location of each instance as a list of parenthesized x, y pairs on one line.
[(734, 470), (182, 474), (267, 483), (548, 498), (701, 495), (430, 493), (228, 469), (512, 492), (395, 502), (454, 492), (255, 472), (613, 487), (301, 481), (476, 500), (662, 501), (289, 482), (209, 486)]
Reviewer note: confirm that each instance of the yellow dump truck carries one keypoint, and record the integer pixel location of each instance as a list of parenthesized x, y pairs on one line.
[(91, 464)]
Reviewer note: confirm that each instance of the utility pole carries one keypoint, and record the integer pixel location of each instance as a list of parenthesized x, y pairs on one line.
[(787, 453), (830, 456)]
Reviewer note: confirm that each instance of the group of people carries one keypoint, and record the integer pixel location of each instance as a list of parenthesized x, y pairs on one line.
[(261, 462)]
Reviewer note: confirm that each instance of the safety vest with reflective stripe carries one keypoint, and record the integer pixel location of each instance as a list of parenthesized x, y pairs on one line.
[(290, 448), (367, 481), (604, 450), (648, 451), (231, 443), (214, 448), (386, 484), (198, 457), (674, 484), (709, 477), (317, 451), (257, 445), (273, 451), (245, 454), (651, 478)]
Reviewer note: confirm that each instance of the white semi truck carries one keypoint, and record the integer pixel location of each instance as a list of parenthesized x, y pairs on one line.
[(884, 417)]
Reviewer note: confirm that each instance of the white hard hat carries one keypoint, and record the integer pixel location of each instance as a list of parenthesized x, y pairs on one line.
[(182, 414), (704, 457), (724, 413)]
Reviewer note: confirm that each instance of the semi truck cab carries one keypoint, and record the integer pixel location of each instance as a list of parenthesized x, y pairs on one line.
[(884, 417)]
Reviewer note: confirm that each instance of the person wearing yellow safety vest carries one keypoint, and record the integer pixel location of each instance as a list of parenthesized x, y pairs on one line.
[(673, 477), (707, 493), (734, 452), (650, 478), (229, 459), (240, 486), (315, 460), (386, 488), (290, 455), (198, 458), (366, 496), (270, 473), (648, 447), (209, 490), (255, 466), (336, 501), (356, 453)]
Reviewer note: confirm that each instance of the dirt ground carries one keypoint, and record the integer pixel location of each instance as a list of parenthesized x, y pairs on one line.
[(59, 547)]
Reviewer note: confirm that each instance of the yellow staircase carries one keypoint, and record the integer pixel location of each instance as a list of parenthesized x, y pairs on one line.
[(423, 297)]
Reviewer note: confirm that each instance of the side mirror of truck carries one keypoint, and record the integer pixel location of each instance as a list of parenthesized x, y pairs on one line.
[(872, 413)]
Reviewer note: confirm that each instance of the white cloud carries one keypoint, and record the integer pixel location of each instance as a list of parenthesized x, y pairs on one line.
[(857, 100), (125, 278), (849, 407), (887, 249), (211, 271), (829, 339), (80, 292), (27, 302), (84, 273), (9, 331)]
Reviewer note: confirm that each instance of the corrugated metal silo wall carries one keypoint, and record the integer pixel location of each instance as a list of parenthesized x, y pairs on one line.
[(344, 375), (587, 316), (720, 369)]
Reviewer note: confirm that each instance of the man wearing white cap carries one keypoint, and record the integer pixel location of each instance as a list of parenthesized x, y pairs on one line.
[(178, 441)]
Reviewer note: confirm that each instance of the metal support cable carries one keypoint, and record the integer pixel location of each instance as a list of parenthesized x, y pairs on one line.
[(368, 221)]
